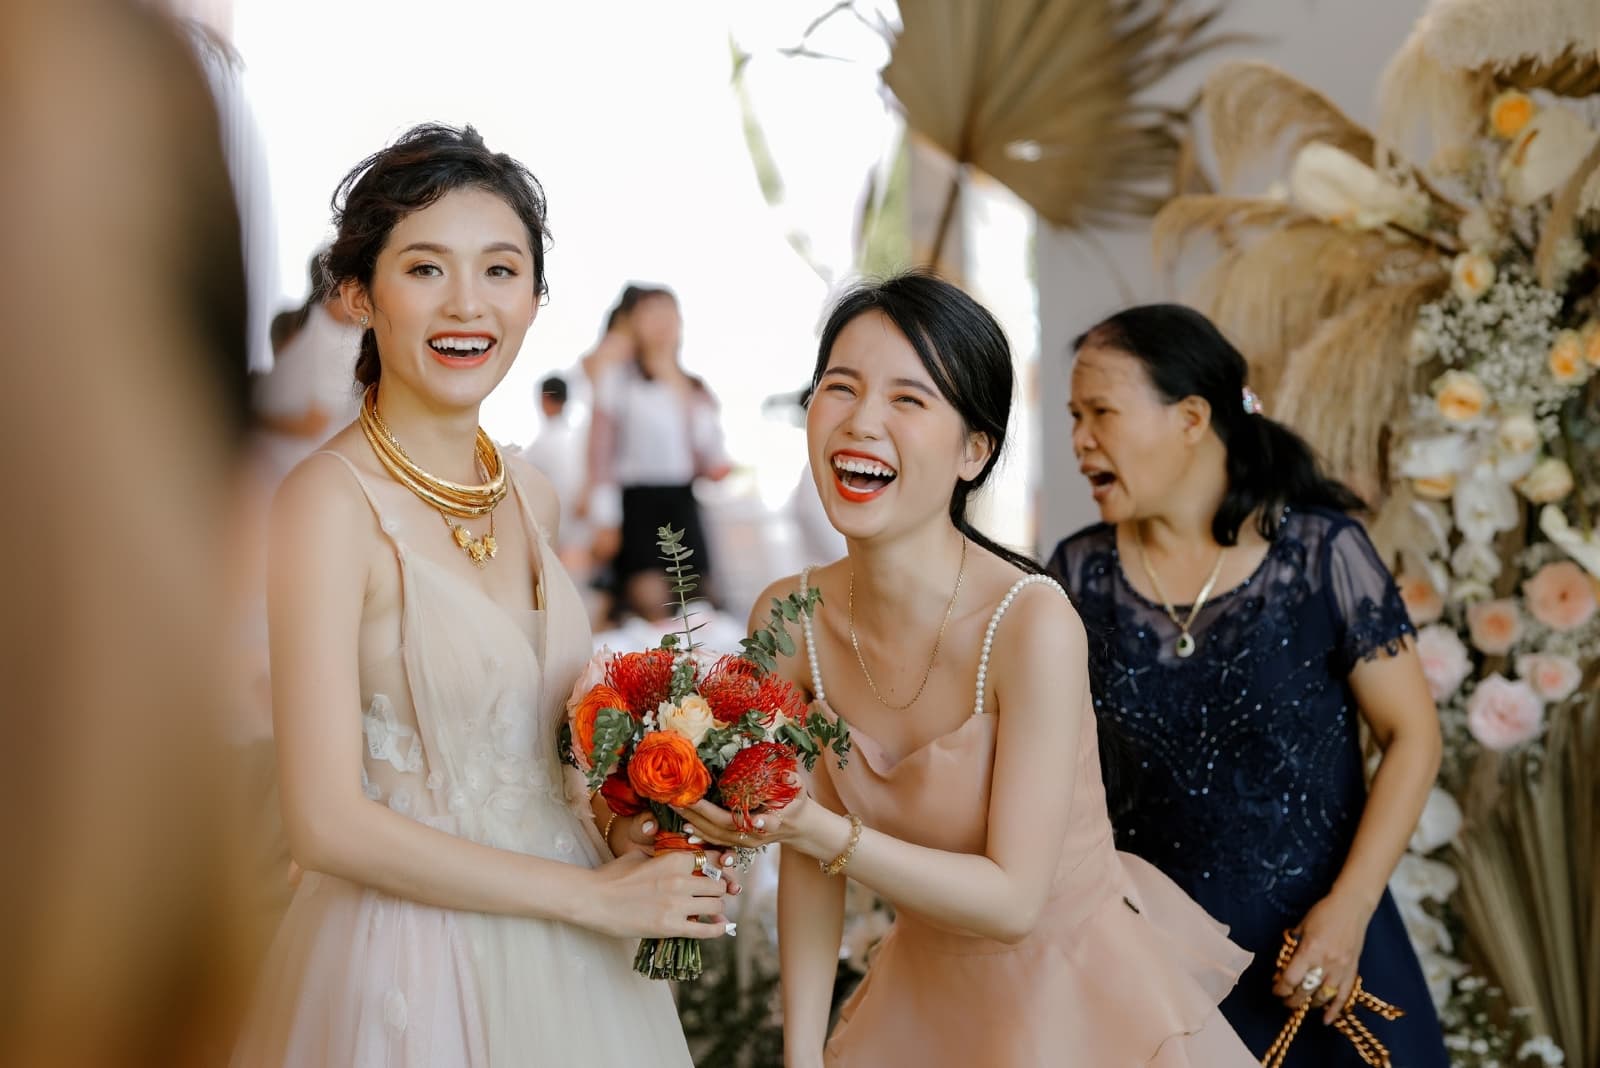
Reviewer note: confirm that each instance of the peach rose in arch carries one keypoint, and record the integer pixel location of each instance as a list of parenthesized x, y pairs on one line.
[(1422, 600), (1495, 626), (1502, 714), (1554, 678), (1561, 596)]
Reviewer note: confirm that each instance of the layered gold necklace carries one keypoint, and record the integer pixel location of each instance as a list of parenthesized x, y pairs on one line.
[(937, 641), (449, 498)]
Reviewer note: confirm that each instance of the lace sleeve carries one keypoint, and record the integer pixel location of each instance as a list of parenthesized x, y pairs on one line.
[(1371, 618)]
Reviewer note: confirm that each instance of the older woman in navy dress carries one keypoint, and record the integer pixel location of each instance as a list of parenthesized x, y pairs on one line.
[(1241, 628)]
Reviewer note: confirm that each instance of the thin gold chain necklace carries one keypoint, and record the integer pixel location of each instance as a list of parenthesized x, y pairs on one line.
[(937, 641), (1185, 644), (448, 498)]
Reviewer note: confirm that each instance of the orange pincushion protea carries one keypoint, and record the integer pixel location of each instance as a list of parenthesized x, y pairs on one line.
[(763, 776), (778, 697), (643, 679)]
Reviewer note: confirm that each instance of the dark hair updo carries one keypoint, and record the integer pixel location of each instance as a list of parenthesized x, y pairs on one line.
[(1269, 465), (424, 164), (965, 353)]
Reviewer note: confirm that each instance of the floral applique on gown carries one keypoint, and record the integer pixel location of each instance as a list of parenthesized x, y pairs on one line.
[(1123, 969), (461, 703)]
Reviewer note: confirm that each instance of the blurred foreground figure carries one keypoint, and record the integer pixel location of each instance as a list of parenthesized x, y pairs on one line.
[(123, 390)]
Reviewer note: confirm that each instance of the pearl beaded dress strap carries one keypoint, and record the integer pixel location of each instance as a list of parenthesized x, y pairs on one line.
[(988, 635)]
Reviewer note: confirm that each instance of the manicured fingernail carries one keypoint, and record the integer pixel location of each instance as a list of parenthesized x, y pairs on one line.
[(760, 823), (648, 828), (727, 860), (694, 839)]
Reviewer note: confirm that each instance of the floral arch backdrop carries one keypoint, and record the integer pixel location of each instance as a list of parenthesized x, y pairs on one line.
[(1434, 329)]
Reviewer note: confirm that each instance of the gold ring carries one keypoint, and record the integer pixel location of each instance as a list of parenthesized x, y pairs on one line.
[(1326, 993), (1313, 979), (700, 862)]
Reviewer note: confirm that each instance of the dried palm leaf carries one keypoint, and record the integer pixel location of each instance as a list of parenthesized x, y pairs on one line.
[(1040, 95), (1366, 349), (1223, 217), (1574, 74), (1249, 106), (1530, 873), (1271, 294)]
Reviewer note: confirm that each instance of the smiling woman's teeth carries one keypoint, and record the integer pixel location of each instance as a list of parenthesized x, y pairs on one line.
[(861, 474), (460, 346)]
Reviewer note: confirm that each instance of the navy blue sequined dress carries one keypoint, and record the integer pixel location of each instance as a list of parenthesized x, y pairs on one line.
[(1238, 771)]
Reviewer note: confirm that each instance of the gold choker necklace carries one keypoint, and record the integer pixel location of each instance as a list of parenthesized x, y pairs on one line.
[(449, 498)]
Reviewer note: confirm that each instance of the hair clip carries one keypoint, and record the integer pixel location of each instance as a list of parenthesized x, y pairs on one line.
[(1252, 403)]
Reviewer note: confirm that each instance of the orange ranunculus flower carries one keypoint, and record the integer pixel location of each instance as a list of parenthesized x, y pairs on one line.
[(1509, 113), (583, 717), (666, 768)]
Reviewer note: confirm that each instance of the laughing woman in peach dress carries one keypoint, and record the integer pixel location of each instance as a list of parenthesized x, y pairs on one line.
[(972, 797)]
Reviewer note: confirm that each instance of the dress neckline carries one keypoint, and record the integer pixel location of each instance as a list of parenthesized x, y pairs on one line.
[(1215, 599)]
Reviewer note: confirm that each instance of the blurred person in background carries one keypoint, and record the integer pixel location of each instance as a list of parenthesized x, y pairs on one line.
[(125, 403), (309, 393), (655, 431), (558, 451), (461, 905)]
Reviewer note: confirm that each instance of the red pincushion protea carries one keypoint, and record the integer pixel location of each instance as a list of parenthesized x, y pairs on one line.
[(763, 776), (776, 696), (643, 679), (730, 688)]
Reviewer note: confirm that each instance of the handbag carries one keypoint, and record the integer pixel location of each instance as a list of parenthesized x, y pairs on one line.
[(1366, 1043)]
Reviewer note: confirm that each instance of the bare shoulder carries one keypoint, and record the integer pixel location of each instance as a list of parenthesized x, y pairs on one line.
[(1039, 623), (319, 491), (537, 490)]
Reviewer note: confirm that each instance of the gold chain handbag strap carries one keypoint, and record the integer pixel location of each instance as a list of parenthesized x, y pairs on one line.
[(1367, 1045)]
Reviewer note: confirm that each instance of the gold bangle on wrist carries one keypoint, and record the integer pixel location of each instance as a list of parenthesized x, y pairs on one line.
[(838, 863)]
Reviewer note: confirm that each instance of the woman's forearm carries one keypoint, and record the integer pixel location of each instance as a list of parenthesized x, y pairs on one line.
[(364, 842), (963, 892), (810, 929), (1399, 792)]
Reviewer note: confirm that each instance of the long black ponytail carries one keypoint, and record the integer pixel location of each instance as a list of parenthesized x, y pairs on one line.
[(965, 353), (1269, 465)]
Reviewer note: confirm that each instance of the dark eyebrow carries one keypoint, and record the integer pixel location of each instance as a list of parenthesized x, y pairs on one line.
[(903, 383), (440, 250)]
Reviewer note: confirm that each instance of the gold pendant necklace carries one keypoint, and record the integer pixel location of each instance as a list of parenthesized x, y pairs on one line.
[(1185, 645), (937, 641), (448, 498)]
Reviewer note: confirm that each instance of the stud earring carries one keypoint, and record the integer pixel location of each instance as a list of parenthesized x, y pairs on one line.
[(364, 322)]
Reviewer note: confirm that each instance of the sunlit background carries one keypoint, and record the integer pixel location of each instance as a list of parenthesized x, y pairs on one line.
[(654, 128)]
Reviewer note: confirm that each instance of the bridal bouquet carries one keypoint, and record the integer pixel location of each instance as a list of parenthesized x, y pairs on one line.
[(669, 726)]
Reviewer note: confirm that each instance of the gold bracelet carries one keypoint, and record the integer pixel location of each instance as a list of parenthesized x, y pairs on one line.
[(606, 834), (837, 864)]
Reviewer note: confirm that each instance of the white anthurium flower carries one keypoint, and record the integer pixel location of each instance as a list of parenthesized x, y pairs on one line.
[(1545, 154), (1439, 824), (1338, 188), (1585, 550), (1484, 505), (1420, 879), (1432, 457)]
